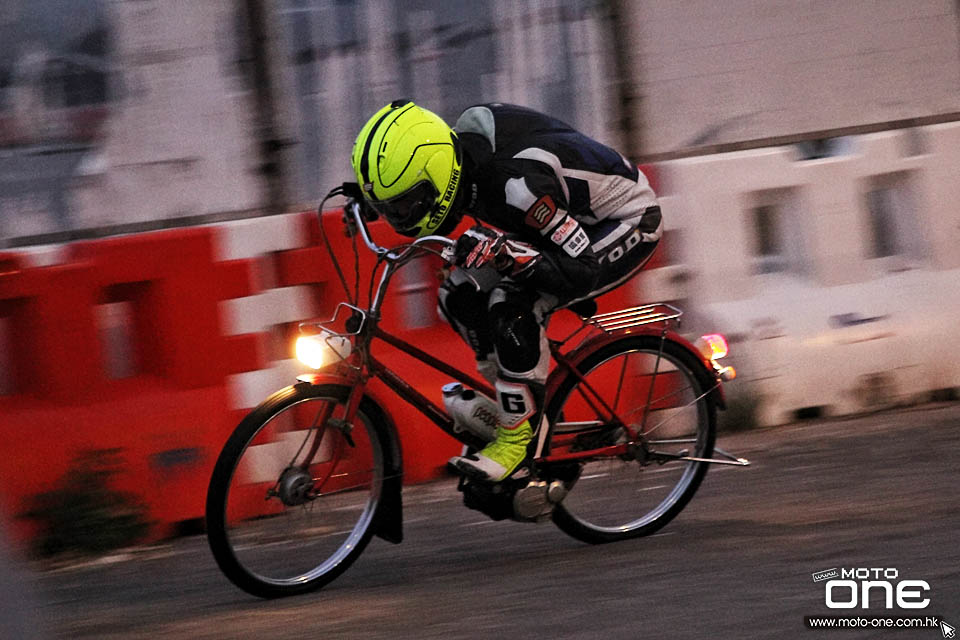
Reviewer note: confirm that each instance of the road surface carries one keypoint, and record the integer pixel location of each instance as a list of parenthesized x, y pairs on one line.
[(876, 491)]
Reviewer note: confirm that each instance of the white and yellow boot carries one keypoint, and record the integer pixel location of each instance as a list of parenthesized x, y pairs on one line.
[(518, 405), (500, 458)]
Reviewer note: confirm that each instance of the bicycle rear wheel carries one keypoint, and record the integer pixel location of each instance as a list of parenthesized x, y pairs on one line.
[(293, 499), (662, 391)]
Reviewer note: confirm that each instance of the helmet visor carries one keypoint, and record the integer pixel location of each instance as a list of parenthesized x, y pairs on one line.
[(405, 211)]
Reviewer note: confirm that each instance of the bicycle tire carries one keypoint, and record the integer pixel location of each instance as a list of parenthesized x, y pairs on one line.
[(224, 543), (701, 380)]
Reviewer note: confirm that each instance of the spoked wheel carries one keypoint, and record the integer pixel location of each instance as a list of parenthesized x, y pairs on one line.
[(662, 391), (293, 496)]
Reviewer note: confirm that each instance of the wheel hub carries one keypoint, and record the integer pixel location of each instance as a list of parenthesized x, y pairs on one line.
[(295, 486)]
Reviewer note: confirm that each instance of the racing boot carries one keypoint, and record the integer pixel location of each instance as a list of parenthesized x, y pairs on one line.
[(518, 409), (500, 458)]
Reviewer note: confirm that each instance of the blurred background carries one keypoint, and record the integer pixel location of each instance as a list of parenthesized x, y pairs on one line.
[(157, 159), (117, 113)]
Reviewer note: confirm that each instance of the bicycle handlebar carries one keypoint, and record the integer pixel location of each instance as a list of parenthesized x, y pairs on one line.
[(393, 256)]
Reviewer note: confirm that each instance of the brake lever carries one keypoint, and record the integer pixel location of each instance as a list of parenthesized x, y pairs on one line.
[(349, 222), (448, 253), (349, 227)]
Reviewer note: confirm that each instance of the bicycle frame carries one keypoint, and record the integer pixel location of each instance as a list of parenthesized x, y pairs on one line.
[(361, 472), (363, 365), (413, 397)]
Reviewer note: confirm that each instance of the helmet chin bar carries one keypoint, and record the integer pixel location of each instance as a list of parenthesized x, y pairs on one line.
[(447, 224), (454, 216), (456, 210), (399, 151)]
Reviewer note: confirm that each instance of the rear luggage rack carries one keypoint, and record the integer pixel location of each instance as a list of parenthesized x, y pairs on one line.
[(635, 316)]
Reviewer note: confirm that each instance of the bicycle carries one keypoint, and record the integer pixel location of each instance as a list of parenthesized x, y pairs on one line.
[(314, 472)]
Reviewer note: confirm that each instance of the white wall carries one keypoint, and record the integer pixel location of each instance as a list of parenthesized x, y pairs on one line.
[(712, 72), (179, 140), (837, 327)]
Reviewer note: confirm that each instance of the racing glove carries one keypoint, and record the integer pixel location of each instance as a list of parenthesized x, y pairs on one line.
[(481, 246)]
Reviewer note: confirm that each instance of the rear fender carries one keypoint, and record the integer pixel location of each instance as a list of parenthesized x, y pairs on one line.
[(602, 339)]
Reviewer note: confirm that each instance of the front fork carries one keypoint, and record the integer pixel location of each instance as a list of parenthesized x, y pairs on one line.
[(342, 423), (388, 522)]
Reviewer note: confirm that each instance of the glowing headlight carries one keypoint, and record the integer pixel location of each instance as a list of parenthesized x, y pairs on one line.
[(712, 346), (322, 349)]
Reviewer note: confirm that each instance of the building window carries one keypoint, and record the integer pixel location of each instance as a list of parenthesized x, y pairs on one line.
[(70, 85), (6, 80), (776, 237), (767, 235), (894, 232)]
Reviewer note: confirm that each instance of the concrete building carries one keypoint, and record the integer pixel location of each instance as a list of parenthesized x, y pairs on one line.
[(808, 149)]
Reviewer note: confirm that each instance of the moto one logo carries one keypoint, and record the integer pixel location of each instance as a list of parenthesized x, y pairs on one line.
[(855, 587), (827, 574)]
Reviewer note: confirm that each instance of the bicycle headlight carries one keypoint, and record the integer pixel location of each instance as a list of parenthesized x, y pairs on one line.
[(322, 349)]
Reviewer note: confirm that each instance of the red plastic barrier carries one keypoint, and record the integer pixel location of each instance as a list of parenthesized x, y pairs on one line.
[(653, 176), (172, 416)]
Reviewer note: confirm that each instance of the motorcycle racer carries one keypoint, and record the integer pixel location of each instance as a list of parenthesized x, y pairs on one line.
[(567, 218)]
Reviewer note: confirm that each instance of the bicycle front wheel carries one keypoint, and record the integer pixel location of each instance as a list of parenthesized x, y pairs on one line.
[(662, 391), (293, 498)]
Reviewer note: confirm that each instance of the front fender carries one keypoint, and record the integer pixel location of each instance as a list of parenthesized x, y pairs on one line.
[(389, 518), (602, 339)]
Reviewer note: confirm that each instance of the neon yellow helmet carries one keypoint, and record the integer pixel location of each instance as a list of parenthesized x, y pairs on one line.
[(407, 162)]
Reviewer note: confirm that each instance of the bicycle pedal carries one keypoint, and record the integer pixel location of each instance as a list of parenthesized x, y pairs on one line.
[(520, 474), (454, 469), (468, 473)]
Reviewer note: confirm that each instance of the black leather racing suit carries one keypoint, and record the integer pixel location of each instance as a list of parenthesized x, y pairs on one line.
[(589, 212)]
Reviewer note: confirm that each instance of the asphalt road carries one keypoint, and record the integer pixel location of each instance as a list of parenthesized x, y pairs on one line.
[(876, 491)]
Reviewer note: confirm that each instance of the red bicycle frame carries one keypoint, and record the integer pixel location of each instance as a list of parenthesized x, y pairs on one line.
[(351, 374), (362, 365)]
